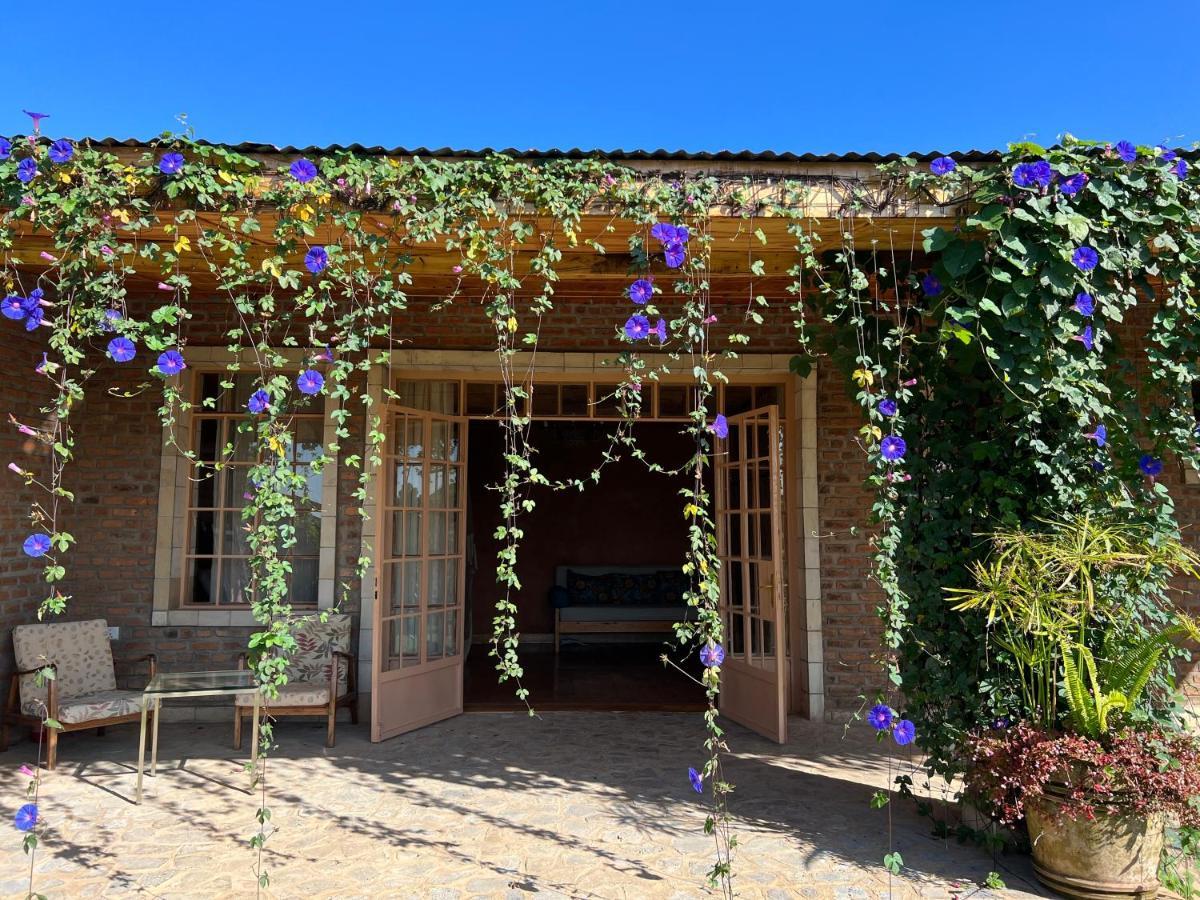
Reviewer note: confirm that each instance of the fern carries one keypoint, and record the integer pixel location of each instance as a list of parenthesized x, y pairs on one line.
[(1079, 700)]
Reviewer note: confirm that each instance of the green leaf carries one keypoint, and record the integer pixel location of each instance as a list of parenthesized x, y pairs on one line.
[(961, 257), (893, 862)]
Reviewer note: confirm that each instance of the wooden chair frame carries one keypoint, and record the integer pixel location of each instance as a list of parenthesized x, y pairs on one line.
[(13, 715), (329, 710)]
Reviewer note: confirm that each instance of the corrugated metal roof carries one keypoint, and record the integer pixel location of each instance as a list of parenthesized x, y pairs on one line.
[(659, 155)]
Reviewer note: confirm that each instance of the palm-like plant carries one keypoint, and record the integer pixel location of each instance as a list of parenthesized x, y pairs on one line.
[(1048, 595)]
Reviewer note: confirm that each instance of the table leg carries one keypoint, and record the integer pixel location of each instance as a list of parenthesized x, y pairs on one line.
[(254, 729), (154, 742), (142, 746)]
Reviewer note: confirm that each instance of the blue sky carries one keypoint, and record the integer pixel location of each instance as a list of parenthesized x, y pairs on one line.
[(751, 74)]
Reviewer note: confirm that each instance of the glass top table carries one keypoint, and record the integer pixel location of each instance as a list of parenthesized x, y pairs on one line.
[(192, 684)]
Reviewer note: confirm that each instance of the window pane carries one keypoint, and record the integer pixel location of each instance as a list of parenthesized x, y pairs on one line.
[(435, 396), (235, 576), (208, 436), (545, 400), (309, 434), (452, 632), (437, 533), (436, 584), (481, 399), (439, 440), (203, 533), (304, 581), (435, 629), (673, 401), (237, 486), (738, 399), (200, 573), (204, 487), (233, 537), (574, 399), (308, 533), (606, 402)]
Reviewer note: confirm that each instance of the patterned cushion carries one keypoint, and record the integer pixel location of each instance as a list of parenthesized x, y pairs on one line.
[(89, 707), (662, 588), (314, 641), (79, 649), (291, 694)]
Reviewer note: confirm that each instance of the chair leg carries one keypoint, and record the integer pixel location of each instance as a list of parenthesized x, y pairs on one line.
[(51, 748), (329, 739), (237, 728)]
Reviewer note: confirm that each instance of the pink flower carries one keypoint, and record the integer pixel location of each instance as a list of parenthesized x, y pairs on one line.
[(609, 180), (106, 250), (163, 286), (28, 200), (25, 429), (27, 772), (13, 467), (457, 270), (711, 320), (908, 383), (48, 257)]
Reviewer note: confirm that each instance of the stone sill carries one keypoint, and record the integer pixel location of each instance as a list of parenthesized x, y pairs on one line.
[(233, 618)]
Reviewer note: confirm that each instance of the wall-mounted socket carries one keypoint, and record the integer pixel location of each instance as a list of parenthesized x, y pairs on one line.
[(114, 632)]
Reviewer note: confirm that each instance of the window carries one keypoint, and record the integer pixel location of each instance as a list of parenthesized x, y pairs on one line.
[(216, 568)]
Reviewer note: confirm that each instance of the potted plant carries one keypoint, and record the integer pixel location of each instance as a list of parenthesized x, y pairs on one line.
[(1091, 763)]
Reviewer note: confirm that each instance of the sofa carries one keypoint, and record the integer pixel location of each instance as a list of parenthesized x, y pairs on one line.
[(617, 600)]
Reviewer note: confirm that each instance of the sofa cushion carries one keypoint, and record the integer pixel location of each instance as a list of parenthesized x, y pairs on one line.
[(291, 694), (79, 649), (622, 589), (90, 707), (315, 640)]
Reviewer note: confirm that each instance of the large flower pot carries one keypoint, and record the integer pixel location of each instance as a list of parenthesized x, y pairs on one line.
[(1105, 858)]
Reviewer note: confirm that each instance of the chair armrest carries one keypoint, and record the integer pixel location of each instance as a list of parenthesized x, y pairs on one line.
[(351, 661), (34, 671)]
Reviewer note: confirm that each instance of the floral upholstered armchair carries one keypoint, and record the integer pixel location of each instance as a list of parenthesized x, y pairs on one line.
[(83, 692), (322, 649)]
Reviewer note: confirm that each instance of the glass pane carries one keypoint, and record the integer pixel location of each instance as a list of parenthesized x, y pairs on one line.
[(308, 491), (405, 585), (411, 545), (437, 533), (738, 399), (200, 574), (764, 484), (452, 532), (733, 445), (210, 387), (672, 401), (455, 441), (245, 442), (733, 532), (606, 402), (208, 438), (764, 530), (308, 532), (204, 487), (308, 436), (408, 485), (435, 629), (452, 632), (203, 524), (767, 395), (452, 473), (414, 440), (439, 440), (237, 487), (400, 639), (233, 535), (481, 399), (733, 493), (768, 638), (737, 635), (734, 584), (235, 576), (437, 478), (452, 582), (755, 636), (435, 396), (574, 399), (545, 400), (762, 440), (304, 582), (435, 586), (757, 574)]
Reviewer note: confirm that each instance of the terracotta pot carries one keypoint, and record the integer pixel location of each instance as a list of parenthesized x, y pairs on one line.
[(1108, 858)]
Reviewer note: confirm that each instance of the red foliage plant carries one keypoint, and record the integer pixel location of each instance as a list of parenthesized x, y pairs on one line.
[(1128, 772)]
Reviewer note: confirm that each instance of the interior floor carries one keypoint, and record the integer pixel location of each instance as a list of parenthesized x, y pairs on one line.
[(609, 676)]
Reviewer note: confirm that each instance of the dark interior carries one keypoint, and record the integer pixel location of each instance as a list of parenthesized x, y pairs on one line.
[(632, 518)]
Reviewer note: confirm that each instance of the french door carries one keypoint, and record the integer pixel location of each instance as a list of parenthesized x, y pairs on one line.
[(749, 494), (417, 668)]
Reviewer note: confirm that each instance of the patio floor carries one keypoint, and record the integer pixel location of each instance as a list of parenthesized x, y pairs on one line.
[(579, 805)]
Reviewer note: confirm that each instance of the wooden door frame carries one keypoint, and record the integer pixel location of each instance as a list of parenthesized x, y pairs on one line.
[(802, 519)]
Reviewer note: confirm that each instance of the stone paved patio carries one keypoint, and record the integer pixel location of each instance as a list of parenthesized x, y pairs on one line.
[(578, 805)]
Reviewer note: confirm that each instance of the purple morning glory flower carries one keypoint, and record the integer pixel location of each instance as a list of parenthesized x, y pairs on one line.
[(697, 781), (1085, 258), (720, 426), (637, 327), (674, 254), (5, 148), (1099, 435), (34, 318), (641, 291), (1150, 465), (37, 119), (666, 233), (1073, 184), (36, 545), (171, 363), (121, 349), (61, 152), (1126, 151), (660, 330), (904, 733), (712, 655), (893, 447), (303, 170), (1168, 155), (880, 717), (1000, 723), (1084, 304), (943, 165), (27, 170), (1087, 338), (171, 163), (931, 286), (13, 307), (887, 407), (1180, 169), (1022, 176), (258, 402), (26, 817), (1097, 465), (110, 320), (310, 382), (34, 300), (1034, 173), (316, 260)]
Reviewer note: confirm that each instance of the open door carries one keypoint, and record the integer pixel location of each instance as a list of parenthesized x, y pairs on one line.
[(749, 494), (417, 670)]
